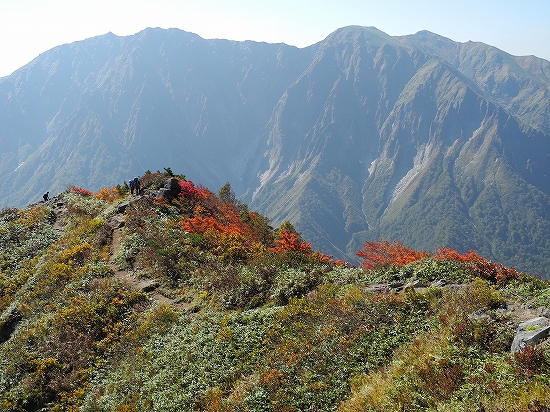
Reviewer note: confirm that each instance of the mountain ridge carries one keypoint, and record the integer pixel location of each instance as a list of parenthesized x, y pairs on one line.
[(358, 137)]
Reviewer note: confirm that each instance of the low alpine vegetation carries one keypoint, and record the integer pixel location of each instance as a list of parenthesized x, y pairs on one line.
[(136, 301)]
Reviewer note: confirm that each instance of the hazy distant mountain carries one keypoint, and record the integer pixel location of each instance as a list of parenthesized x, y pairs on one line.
[(359, 137), (97, 112)]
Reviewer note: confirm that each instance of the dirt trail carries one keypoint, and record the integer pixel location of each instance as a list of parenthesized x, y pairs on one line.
[(148, 286)]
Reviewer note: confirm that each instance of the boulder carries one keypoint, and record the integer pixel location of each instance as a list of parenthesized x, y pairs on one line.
[(530, 333), (439, 283), (171, 189), (116, 222), (121, 208), (414, 284)]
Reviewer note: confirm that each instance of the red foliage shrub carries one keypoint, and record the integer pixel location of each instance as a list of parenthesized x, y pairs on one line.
[(80, 191), (440, 378), (530, 360), (188, 189), (375, 253)]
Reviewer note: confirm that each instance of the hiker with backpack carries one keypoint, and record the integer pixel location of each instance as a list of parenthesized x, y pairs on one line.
[(137, 185), (132, 185)]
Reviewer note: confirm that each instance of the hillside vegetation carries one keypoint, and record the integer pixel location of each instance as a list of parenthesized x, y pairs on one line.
[(115, 302)]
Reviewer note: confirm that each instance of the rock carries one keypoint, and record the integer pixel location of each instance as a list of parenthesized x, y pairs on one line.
[(121, 208), (171, 189), (378, 288), (9, 323), (439, 283), (455, 286), (543, 311), (480, 314), (147, 285), (414, 285), (116, 222), (530, 333)]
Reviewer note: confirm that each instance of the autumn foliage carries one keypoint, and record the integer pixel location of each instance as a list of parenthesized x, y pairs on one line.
[(385, 252), (376, 253), (188, 189), (484, 268), (288, 241), (108, 194), (221, 224), (81, 191)]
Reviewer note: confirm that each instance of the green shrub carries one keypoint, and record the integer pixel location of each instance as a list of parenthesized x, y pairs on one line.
[(293, 283)]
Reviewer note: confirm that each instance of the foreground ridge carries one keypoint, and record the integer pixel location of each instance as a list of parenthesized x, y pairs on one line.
[(176, 298)]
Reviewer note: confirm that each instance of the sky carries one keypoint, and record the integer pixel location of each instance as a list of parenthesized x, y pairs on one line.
[(31, 27)]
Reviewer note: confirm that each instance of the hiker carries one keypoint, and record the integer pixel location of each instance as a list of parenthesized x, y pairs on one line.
[(46, 196), (131, 182), (137, 185)]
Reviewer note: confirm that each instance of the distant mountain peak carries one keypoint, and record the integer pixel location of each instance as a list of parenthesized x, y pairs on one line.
[(366, 35)]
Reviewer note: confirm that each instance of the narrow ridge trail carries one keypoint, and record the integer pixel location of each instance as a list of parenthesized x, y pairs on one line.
[(148, 286)]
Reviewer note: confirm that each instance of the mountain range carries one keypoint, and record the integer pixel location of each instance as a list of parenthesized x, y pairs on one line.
[(358, 137)]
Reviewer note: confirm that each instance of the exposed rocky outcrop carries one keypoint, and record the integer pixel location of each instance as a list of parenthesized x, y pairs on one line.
[(170, 190), (530, 332)]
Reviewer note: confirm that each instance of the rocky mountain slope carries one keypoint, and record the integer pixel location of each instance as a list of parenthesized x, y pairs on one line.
[(359, 137), (393, 142)]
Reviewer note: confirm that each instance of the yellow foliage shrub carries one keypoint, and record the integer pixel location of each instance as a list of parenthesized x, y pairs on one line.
[(77, 255), (108, 194), (31, 217)]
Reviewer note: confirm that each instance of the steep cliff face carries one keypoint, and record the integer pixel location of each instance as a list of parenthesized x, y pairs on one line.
[(359, 137), (520, 84)]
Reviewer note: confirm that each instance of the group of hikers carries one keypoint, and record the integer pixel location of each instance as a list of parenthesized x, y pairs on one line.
[(135, 188)]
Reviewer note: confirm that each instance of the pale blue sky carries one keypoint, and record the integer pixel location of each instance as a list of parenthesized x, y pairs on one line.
[(30, 27)]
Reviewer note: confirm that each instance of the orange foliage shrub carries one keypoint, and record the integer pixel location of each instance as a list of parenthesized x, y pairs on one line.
[(375, 253), (198, 224), (289, 241), (484, 268), (108, 194)]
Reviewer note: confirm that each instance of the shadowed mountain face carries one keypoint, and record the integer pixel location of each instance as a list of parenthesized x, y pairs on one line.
[(359, 137)]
